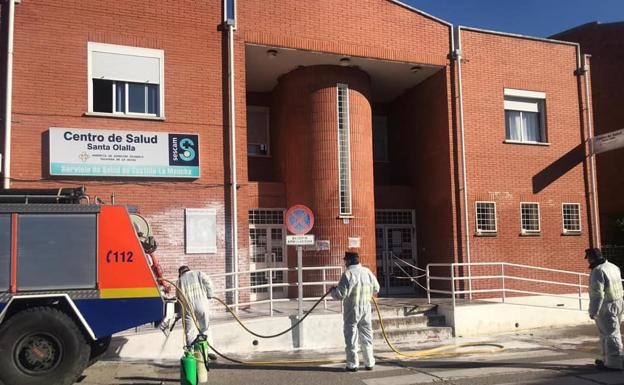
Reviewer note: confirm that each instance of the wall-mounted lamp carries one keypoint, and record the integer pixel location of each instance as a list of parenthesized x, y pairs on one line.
[(271, 53), (345, 62), (416, 68)]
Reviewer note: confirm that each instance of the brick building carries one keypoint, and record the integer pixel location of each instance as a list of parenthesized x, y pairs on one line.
[(409, 139), (605, 44)]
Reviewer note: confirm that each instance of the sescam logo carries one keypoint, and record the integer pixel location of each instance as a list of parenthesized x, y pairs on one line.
[(183, 150), (187, 145)]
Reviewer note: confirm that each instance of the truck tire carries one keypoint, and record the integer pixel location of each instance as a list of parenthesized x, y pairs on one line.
[(41, 346)]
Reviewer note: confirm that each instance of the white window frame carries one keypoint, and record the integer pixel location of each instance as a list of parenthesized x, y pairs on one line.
[(519, 101), (268, 131), (129, 51), (346, 111), (566, 231), (539, 219), (480, 231)]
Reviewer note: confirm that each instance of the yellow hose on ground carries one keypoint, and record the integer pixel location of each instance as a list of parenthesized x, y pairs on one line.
[(435, 352)]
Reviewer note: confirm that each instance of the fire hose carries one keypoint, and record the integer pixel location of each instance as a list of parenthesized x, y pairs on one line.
[(446, 350)]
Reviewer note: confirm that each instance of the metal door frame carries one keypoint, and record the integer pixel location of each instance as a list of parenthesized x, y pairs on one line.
[(269, 255), (386, 262)]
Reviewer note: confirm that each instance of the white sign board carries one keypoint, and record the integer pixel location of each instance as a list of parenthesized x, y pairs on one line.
[(86, 152), (201, 231), (355, 243), (607, 142), (300, 240)]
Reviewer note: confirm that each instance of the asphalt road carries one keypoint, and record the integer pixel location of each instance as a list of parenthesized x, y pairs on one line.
[(552, 356)]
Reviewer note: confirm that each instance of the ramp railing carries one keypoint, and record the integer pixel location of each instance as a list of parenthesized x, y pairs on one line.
[(503, 279), (238, 294)]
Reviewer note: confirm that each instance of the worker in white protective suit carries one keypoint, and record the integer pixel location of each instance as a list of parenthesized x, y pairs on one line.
[(356, 289), (198, 290), (605, 307)]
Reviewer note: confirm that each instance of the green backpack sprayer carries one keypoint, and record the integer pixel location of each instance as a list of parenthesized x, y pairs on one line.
[(194, 363)]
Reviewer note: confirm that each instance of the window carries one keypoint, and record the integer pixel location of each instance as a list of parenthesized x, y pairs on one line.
[(380, 138), (530, 218), (486, 217), (258, 131), (524, 116), (344, 151), (571, 218), (125, 81)]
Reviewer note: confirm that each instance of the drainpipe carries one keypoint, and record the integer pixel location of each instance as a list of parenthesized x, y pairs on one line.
[(584, 71), (8, 107), (457, 55), (230, 24)]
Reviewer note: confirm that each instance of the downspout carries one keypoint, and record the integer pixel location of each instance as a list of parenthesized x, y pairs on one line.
[(230, 24), (8, 107), (457, 55), (592, 157)]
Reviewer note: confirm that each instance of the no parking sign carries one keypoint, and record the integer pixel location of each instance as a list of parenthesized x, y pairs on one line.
[(299, 219)]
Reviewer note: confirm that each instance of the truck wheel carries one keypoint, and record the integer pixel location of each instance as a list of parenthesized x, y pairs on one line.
[(98, 349), (41, 346)]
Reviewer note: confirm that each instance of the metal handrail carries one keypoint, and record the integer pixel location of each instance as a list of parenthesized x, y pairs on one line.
[(271, 285), (502, 277)]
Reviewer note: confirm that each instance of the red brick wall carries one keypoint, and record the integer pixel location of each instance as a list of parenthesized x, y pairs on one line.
[(605, 44), (510, 173), (50, 89), (305, 110), (373, 28), (422, 143)]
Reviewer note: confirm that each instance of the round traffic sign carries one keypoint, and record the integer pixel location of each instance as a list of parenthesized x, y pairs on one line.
[(299, 219)]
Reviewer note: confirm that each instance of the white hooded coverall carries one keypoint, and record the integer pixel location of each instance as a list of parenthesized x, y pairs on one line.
[(197, 288), (605, 306), (356, 288)]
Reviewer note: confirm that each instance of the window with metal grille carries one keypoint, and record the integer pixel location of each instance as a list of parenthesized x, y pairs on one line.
[(344, 151), (530, 217), (266, 217), (571, 218), (259, 278), (486, 217), (394, 217)]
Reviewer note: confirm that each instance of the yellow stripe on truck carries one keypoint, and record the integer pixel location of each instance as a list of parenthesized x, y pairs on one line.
[(137, 292)]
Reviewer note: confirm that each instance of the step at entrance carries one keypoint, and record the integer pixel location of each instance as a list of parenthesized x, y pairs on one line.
[(410, 324)]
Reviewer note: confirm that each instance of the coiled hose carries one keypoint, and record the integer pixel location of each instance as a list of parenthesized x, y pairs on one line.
[(446, 350)]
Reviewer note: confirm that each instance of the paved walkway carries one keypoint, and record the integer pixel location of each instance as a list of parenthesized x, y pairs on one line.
[(542, 357)]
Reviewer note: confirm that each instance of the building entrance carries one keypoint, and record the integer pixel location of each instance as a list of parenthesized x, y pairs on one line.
[(395, 236), (267, 244)]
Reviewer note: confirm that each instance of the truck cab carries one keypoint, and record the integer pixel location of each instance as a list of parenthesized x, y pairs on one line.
[(72, 273)]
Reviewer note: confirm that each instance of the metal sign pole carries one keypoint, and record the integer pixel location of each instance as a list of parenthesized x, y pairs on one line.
[(300, 279)]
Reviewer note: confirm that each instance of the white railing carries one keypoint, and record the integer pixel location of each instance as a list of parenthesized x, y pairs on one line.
[(503, 278), (236, 291)]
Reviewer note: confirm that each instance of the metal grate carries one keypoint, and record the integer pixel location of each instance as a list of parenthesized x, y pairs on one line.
[(530, 217), (486, 217), (571, 217), (266, 217), (394, 217), (344, 151)]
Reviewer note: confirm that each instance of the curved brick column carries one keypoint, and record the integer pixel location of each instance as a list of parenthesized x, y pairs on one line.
[(306, 153)]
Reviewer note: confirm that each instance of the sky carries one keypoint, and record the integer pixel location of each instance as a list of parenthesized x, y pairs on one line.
[(541, 18)]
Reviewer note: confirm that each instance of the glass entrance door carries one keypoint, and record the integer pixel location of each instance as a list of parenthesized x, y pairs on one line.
[(395, 235)]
